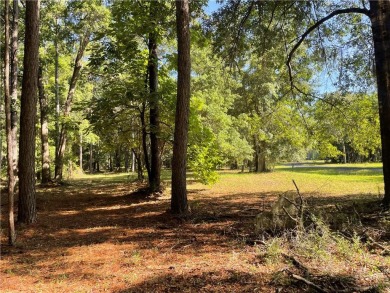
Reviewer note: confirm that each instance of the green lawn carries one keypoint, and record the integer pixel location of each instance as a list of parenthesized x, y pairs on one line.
[(329, 179), (324, 179)]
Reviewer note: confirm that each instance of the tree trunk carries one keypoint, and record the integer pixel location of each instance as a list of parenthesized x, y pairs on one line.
[(127, 160), (91, 159), (57, 94), (81, 152), (144, 138), (45, 159), (380, 22), (256, 154), (14, 82), (137, 158), (155, 158), (117, 160), (27, 199), (133, 163), (59, 163), (8, 122), (344, 153), (179, 160), (133, 157)]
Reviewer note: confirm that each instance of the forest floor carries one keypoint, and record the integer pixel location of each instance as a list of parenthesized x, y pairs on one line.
[(98, 233)]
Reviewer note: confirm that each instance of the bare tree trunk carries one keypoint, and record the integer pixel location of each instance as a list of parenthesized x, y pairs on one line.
[(155, 158), (179, 161), (133, 156), (45, 159), (91, 158), (144, 138), (380, 22), (27, 200), (344, 154), (14, 82), (81, 151), (8, 122), (154, 117), (59, 164), (127, 160), (57, 94)]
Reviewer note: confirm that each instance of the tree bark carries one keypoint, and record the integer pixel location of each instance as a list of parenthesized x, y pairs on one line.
[(380, 24), (144, 139), (81, 152), (45, 156), (179, 161), (154, 111), (14, 82), (127, 160), (59, 162), (91, 158), (57, 93), (27, 199), (8, 123), (155, 158)]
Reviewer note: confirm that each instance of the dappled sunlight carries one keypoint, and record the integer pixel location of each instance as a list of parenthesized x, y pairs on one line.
[(112, 237)]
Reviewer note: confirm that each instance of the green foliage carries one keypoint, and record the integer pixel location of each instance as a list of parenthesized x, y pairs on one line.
[(351, 120)]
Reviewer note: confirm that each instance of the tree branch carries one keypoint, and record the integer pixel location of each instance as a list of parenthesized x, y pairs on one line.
[(316, 25)]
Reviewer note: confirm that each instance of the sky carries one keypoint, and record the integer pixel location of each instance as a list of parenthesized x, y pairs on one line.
[(212, 6)]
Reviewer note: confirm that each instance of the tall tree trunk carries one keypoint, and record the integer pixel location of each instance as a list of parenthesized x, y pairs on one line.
[(262, 158), (45, 159), (14, 82), (27, 199), (59, 164), (256, 154), (91, 158), (118, 159), (8, 123), (127, 160), (81, 152), (137, 157), (57, 94), (133, 157), (380, 22), (179, 160), (155, 157), (133, 163), (344, 153), (144, 139)]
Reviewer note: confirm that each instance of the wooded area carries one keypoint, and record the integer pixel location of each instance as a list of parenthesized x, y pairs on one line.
[(161, 107)]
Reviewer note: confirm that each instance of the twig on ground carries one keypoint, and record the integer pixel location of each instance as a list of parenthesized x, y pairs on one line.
[(306, 281), (385, 251), (296, 263)]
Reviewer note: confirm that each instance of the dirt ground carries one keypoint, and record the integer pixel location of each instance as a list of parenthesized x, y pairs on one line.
[(100, 237)]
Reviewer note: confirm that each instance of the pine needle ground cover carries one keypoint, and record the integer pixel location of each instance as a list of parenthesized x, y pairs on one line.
[(99, 233)]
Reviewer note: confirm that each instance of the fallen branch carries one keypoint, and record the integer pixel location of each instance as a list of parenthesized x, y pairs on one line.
[(385, 251), (296, 263), (306, 281)]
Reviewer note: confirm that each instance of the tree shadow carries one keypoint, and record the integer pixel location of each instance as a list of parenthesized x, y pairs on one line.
[(221, 280)]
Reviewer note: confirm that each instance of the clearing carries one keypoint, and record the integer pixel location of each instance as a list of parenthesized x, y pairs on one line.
[(97, 233)]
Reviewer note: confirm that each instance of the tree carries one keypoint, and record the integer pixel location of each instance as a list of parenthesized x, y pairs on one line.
[(380, 23), (14, 81), (179, 160), (87, 17), (155, 156), (27, 200), (10, 143), (379, 14), (44, 107)]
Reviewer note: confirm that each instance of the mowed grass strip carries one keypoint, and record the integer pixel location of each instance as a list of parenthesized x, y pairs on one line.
[(325, 179)]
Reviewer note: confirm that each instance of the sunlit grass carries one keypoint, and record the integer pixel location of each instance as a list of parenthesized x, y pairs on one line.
[(311, 178)]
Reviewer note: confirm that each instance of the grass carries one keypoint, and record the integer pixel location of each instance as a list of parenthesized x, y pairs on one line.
[(97, 233)]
